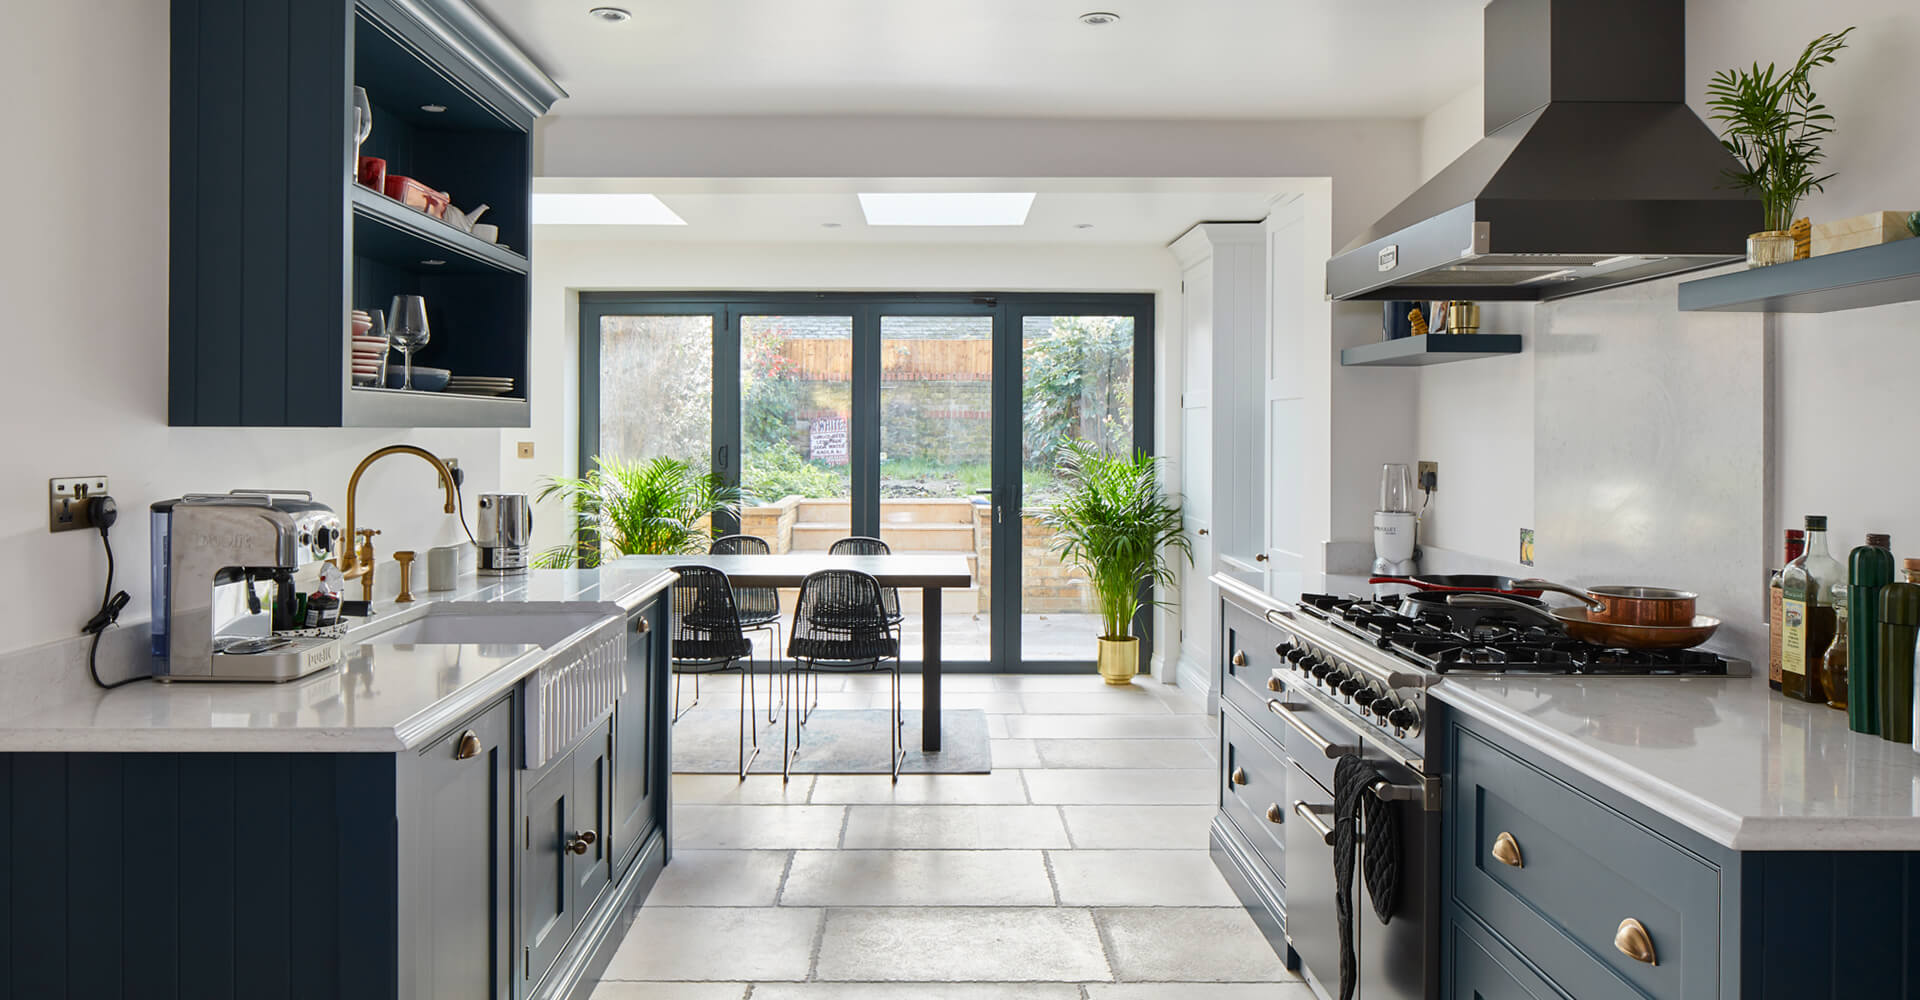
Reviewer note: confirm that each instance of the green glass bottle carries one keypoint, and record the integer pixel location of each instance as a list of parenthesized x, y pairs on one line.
[(1869, 568), (1899, 626)]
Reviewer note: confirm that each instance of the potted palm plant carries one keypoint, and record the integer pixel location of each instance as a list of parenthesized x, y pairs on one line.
[(1774, 127), (1112, 521), (658, 506)]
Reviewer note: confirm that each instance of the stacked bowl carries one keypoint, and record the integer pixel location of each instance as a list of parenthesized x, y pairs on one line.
[(369, 350)]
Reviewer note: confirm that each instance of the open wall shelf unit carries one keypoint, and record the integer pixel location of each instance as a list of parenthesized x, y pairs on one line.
[(273, 241), (1852, 279), (1430, 349)]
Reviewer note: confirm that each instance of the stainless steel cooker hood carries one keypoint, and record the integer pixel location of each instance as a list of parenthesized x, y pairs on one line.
[(1593, 173)]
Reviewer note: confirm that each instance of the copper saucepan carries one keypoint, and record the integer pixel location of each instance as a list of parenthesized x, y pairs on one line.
[(1628, 605), (1578, 623)]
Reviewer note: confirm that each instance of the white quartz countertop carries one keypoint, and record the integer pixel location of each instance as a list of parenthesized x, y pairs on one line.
[(1726, 757), (382, 698)]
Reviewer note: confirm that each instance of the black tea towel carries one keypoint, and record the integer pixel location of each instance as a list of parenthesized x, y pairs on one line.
[(1353, 804)]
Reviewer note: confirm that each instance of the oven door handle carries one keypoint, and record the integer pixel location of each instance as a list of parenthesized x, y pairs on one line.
[(1311, 814), (1278, 612), (1320, 743)]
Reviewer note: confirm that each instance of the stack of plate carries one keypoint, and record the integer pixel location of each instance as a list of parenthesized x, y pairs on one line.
[(368, 349), (480, 385)]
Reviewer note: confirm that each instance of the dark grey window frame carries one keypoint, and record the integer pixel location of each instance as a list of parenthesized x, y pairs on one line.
[(1009, 310)]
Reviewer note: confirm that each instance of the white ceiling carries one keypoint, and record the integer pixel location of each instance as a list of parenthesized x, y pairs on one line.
[(1027, 58), (755, 210)]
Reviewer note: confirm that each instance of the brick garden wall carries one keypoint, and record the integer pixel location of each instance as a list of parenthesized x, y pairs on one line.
[(1049, 586)]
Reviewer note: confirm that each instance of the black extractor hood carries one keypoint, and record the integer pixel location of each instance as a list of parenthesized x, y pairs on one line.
[(1593, 173)]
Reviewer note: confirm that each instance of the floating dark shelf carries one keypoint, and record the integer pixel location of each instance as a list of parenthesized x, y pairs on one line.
[(388, 230), (1433, 349), (1851, 279)]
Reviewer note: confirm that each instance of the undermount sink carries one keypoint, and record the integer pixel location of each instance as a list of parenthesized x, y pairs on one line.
[(460, 624)]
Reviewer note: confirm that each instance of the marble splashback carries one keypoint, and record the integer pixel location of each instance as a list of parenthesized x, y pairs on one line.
[(1650, 439)]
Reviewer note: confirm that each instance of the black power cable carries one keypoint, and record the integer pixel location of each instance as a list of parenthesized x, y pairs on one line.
[(103, 512)]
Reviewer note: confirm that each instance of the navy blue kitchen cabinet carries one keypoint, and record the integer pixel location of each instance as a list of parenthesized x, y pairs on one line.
[(352, 876), (273, 241), (1543, 868)]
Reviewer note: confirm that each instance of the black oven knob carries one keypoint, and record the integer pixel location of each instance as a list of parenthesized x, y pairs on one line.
[(1320, 669), (1383, 708), (1363, 697), (1404, 717), (1351, 685), (1283, 649), (1297, 654)]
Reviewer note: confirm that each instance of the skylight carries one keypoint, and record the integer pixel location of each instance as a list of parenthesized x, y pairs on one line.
[(602, 210), (996, 208)]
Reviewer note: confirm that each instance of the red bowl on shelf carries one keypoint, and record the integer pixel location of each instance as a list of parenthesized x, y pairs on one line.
[(410, 192), (373, 172)]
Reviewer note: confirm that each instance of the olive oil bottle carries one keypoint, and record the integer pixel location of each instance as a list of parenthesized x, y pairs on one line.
[(1806, 614), (1796, 544)]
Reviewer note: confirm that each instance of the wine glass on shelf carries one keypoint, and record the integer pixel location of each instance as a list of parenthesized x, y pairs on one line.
[(362, 123), (407, 330)]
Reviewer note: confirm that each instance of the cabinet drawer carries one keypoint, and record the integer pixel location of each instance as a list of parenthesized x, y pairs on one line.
[(1582, 871), (1247, 662), (1253, 790), (1483, 969)]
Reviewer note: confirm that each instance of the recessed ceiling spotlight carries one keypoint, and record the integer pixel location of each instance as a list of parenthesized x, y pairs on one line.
[(612, 15), (433, 262), (1099, 17), (433, 108), (1083, 225), (829, 225)]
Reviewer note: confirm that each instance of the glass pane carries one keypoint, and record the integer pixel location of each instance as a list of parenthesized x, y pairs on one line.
[(936, 456), (1077, 384), (656, 388), (796, 404)]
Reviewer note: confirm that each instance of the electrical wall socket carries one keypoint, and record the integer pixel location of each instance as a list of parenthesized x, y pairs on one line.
[(525, 450), (1426, 470), (67, 501)]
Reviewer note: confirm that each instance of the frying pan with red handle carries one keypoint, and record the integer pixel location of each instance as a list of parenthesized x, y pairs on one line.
[(1472, 583)]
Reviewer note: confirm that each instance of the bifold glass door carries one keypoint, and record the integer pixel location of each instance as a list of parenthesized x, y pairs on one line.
[(934, 423)]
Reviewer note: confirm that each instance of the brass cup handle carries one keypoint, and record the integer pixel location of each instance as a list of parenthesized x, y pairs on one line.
[(1506, 850), (642, 626), (468, 747), (1239, 776), (580, 842), (1275, 814), (1274, 684), (1633, 941), (1240, 658)]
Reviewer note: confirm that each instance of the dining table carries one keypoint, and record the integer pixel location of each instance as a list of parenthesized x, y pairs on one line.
[(929, 573)]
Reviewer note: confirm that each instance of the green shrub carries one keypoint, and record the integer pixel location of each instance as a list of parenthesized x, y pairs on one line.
[(772, 471)]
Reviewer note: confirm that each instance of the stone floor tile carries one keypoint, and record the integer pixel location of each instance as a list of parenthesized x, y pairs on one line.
[(997, 727), (720, 878), (1015, 753), (1105, 727), (727, 789), (961, 944), (917, 878), (1119, 786), (1139, 878), (1172, 944), (1000, 787), (720, 943), (735, 828), (955, 827), (916, 991), (616, 990), (1153, 827), (1113, 701), (1191, 991), (1123, 753)]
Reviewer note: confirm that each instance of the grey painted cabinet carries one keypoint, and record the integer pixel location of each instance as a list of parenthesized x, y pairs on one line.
[(456, 797), (565, 861), (592, 868), (633, 736)]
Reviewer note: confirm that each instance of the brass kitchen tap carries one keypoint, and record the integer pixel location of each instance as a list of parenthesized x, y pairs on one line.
[(367, 562), (351, 566)]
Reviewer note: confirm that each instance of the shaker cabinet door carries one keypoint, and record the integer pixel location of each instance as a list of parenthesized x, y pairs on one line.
[(456, 815), (632, 737), (547, 910), (590, 855)]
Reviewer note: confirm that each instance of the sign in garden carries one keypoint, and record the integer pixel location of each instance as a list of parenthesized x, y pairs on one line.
[(827, 440)]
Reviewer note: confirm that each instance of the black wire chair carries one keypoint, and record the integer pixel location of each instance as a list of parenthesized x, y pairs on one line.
[(861, 545), (759, 606), (709, 638), (840, 626)]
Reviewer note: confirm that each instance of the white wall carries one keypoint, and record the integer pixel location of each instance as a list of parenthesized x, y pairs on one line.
[(84, 279), (1372, 163), (1815, 379)]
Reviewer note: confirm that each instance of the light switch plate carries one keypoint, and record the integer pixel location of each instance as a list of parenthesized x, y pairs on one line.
[(67, 501), (525, 450), (1526, 546)]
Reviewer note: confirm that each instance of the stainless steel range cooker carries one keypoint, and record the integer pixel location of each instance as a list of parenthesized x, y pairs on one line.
[(1302, 685)]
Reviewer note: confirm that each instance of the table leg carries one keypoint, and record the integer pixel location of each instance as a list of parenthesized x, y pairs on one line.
[(930, 669)]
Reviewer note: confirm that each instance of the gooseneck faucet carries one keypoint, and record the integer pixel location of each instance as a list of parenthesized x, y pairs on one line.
[(351, 564)]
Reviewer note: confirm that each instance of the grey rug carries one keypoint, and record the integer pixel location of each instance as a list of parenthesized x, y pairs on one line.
[(835, 741)]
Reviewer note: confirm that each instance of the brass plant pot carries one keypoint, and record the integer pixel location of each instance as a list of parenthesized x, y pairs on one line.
[(1774, 246), (1119, 659)]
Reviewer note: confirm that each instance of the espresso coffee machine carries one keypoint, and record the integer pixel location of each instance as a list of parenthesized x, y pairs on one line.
[(223, 587)]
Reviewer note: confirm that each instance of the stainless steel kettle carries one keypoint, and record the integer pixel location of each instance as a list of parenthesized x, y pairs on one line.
[(505, 534)]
